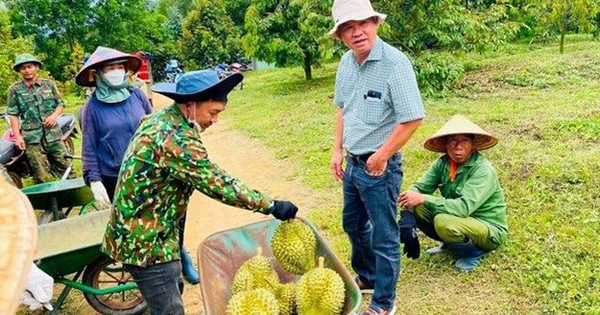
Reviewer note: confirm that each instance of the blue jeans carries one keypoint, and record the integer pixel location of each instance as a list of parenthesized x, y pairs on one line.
[(161, 286), (370, 220)]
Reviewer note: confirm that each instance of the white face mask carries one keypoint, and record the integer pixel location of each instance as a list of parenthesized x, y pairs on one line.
[(193, 120), (115, 77)]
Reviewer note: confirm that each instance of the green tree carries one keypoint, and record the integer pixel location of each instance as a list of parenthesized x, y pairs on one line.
[(421, 25), (72, 68), (557, 17), (289, 32), (127, 25), (54, 25), (9, 49), (175, 11), (236, 9), (208, 35)]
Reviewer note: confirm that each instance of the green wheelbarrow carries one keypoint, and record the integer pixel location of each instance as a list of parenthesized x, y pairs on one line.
[(58, 198), (72, 247), (221, 254)]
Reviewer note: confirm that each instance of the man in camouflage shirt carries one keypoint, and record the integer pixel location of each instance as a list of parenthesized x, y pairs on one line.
[(34, 105), (164, 163)]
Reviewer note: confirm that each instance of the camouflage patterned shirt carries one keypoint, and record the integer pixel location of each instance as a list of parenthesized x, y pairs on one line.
[(33, 104), (164, 163)]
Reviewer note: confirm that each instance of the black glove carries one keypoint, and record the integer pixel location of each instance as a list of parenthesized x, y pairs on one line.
[(283, 210), (408, 234)]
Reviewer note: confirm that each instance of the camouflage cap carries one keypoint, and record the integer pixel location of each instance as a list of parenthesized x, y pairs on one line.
[(25, 58)]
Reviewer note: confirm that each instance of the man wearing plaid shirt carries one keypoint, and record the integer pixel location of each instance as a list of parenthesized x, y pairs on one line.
[(379, 108)]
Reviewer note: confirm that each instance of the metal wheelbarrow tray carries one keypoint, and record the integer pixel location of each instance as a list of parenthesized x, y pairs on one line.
[(72, 246), (221, 254)]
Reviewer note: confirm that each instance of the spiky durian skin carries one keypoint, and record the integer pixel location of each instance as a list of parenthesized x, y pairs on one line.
[(253, 302), (286, 298), (294, 246), (320, 291), (254, 273)]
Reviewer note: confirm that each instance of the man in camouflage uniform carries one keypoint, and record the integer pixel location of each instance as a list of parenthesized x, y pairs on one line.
[(38, 104), (164, 163)]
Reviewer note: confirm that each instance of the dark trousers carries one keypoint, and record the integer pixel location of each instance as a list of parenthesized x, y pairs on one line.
[(370, 219), (110, 183), (161, 286)]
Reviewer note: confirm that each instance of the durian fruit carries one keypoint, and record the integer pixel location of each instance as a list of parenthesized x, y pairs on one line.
[(286, 298), (255, 273), (294, 246), (320, 291), (253, 302)]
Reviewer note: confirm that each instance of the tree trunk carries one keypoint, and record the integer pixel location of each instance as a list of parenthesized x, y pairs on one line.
[(307, 66), (563, 30)]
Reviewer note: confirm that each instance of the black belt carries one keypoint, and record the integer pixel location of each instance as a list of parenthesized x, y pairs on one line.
[(359, 159)]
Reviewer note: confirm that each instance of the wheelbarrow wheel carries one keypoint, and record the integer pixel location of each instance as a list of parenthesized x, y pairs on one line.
[(105, 273)]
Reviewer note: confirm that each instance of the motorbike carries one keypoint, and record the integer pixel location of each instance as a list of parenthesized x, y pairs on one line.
[(15, 161), (224, 70)]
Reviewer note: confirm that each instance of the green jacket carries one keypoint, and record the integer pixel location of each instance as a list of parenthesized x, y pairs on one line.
[(164, 163), (32, 105), (475, 193)]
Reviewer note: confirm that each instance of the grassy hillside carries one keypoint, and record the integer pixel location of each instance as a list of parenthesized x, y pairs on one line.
[(545, 109)]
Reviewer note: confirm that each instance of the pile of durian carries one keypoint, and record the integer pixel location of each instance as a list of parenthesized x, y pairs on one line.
[(256, 287)]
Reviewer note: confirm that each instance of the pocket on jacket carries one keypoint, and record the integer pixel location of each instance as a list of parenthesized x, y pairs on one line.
[(115, 150)]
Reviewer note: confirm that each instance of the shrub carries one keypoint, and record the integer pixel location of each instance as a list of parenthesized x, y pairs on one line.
[(437, 73)]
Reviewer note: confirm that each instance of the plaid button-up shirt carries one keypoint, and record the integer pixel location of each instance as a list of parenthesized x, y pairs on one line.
[(375, 97)]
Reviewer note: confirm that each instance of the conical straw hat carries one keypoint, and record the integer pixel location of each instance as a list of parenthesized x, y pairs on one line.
[(18, 232), (459, 124)]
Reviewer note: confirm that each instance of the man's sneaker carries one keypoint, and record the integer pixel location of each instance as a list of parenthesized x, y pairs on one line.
[(375, 310), (440, 249), (364, 288)]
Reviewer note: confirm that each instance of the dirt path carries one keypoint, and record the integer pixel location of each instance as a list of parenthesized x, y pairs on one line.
[(244, 158)]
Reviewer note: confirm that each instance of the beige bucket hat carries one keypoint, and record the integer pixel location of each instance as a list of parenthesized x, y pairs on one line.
[(459, 124), (352, 10)]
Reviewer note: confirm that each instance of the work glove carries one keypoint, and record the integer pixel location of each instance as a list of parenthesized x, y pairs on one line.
[(408, 234), (100, 194), (283, 210), (38, 289)]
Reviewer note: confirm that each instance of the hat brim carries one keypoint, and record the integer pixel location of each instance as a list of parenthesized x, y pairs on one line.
[(132, 63), (217, 91), (480, 142), (356, 16), (17, 66)]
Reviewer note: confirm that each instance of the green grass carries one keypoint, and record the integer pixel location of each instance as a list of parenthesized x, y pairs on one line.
[(545, 109)]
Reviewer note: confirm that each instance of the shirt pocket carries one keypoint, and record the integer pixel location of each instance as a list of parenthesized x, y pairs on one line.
[(48, 103), (374, 111)]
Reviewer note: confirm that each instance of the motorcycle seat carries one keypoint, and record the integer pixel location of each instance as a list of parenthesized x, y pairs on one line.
[(65, 122)]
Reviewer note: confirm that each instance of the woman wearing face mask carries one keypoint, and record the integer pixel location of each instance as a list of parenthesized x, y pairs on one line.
[(111, 116)]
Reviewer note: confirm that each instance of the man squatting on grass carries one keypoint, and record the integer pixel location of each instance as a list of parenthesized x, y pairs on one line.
[(469, 217), (379, 109), (164, 163)]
